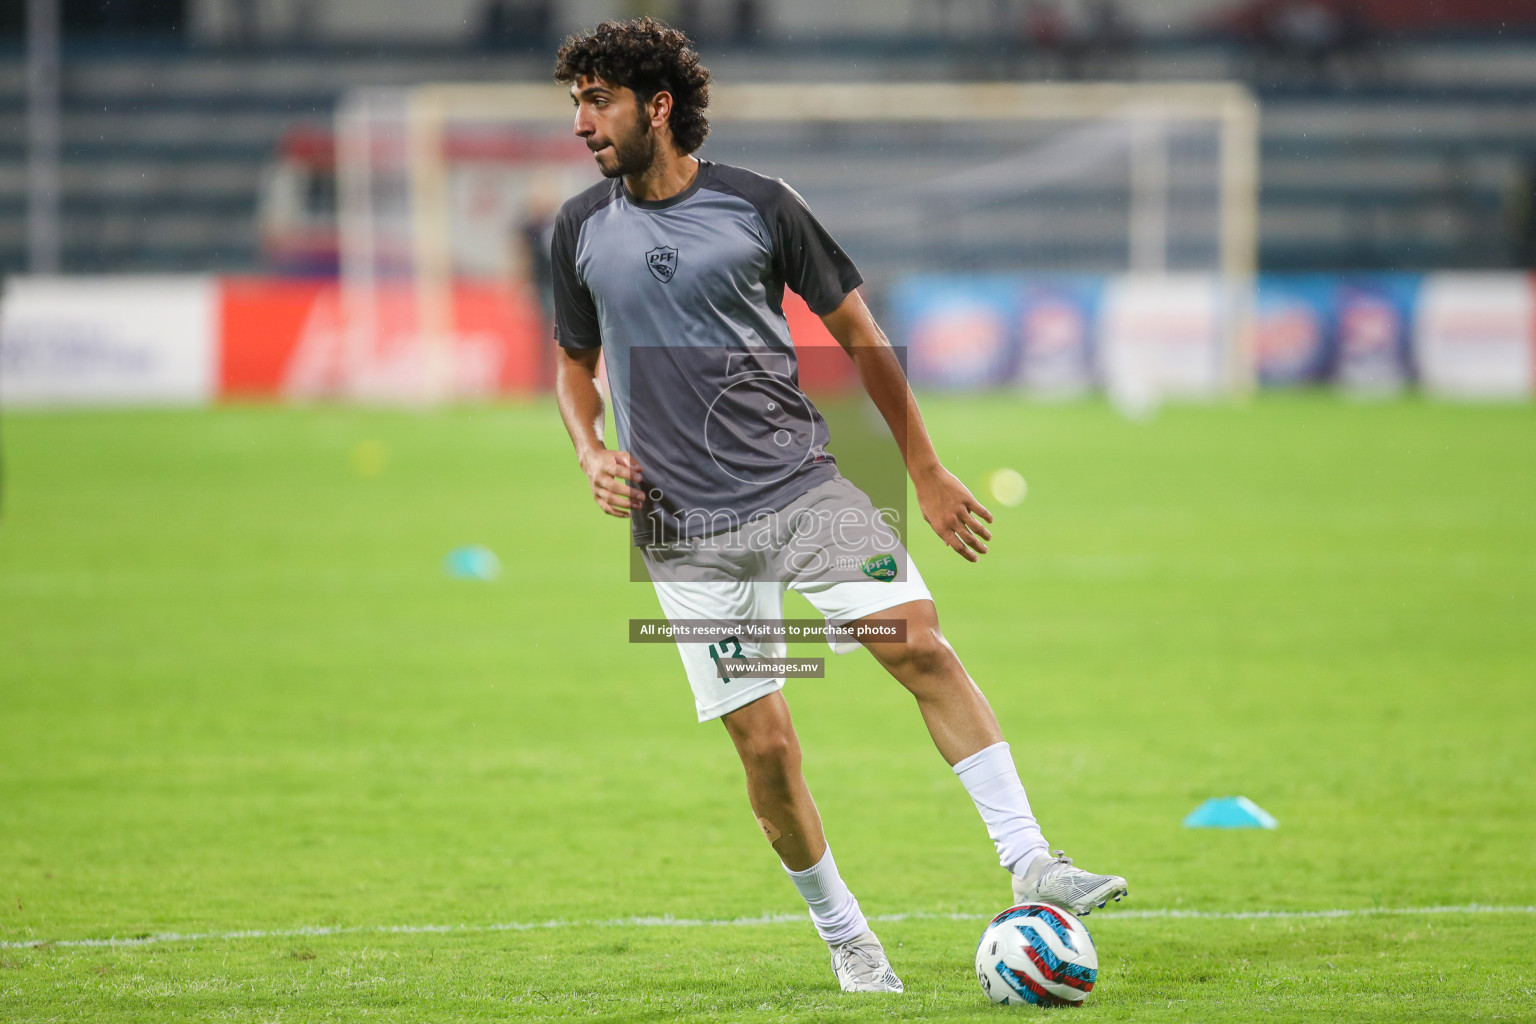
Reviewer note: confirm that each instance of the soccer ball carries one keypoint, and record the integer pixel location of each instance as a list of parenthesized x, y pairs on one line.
[(1036, 953)]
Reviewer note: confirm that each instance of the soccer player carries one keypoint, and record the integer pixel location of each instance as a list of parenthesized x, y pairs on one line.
[(675, 267)]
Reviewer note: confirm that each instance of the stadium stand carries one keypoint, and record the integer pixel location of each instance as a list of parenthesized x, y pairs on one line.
[(1424, 156)]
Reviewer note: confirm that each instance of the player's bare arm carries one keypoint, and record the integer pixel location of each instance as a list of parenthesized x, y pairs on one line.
[(612, 474), (947, 505)]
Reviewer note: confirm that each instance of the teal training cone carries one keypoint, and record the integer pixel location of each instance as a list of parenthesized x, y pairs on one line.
[(1230, 812), (472, 563)]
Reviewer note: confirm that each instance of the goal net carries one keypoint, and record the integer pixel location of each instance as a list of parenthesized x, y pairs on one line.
[(980, 215)]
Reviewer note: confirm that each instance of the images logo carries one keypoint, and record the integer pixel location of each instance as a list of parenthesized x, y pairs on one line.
[(662, 262)]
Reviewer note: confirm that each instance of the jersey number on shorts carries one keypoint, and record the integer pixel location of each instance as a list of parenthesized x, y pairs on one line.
[(730, 647)]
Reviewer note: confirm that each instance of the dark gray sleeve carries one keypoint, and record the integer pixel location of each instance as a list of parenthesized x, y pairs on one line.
[(576, 323), (809, 261)]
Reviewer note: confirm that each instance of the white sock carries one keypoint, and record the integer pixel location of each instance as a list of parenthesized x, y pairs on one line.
[(834, 910), (993, 782)]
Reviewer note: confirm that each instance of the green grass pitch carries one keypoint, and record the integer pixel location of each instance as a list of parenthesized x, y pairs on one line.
[(239, 694)]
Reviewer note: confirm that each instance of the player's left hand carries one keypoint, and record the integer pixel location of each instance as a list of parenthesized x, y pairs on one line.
[(953, 512)]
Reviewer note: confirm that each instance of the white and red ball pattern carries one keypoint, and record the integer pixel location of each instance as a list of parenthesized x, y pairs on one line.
[(1036, 953)]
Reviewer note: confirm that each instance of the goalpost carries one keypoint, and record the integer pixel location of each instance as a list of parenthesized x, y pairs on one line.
[(443, 190)]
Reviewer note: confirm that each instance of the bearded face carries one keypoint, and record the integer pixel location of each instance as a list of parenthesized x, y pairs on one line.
[(623, 144)]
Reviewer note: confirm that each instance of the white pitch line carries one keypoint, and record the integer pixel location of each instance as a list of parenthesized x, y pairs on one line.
[(1237, 915), (668, 921)]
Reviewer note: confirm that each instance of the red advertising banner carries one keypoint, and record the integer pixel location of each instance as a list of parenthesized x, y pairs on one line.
[(260, 322), (282, 337), (819, 375), (291, 338)]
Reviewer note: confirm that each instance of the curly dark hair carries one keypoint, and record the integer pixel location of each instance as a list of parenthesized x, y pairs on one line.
[(648, 57)]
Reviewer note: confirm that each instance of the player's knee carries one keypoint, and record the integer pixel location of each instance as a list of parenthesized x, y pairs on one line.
[(769, 752), (925, 652)]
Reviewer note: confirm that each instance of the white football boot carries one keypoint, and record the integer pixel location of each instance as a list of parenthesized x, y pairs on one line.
[(861, 966), (1051, 878)]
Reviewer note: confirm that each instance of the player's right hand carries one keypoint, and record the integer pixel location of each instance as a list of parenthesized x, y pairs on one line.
[(614, 477)]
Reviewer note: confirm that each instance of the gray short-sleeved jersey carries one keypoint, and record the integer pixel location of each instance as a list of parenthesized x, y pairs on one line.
[(684, 295)]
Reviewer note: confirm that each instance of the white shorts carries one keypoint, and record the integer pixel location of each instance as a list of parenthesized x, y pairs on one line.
[(743, 574)]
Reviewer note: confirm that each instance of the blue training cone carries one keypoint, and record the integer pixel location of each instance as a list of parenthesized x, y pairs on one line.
[(1230, 812), (472, 563)]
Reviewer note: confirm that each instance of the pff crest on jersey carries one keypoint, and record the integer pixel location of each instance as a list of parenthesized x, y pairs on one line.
[(662, 262)]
